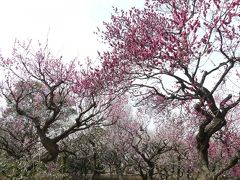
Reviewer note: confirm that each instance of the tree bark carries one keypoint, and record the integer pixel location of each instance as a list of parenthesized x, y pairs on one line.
[(151, 172), (51, 147), (203, 172)]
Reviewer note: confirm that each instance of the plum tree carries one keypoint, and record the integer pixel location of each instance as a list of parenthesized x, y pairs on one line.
[(55, 98), (185, 53)]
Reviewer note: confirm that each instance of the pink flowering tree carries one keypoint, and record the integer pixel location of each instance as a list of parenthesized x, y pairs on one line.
[(17, 137), (224, 144), (54, 97), (185, 53), (136, 146)]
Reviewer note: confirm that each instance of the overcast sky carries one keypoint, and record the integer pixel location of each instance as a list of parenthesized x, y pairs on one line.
[(69, 24)]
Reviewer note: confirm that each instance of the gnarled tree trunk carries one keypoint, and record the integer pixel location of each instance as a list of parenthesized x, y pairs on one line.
[(51, 147)]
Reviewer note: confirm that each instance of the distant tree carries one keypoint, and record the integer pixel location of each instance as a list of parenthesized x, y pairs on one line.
[(147, 149), (87, 150), (136, 146), (17, 137), (185, 53), (117, 156)]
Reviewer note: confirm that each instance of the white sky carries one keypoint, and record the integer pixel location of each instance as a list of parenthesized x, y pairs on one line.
[(70, 23)]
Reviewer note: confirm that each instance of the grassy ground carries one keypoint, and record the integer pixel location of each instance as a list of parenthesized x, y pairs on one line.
[(101, 177), (108, 177)]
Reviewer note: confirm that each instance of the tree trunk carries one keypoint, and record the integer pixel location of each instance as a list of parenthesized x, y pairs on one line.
[(120, 176), (96, 175), (51, 147), (50, 155), (143, 175), (119, 172), (110, 171), (203, 172), (150, 173)]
